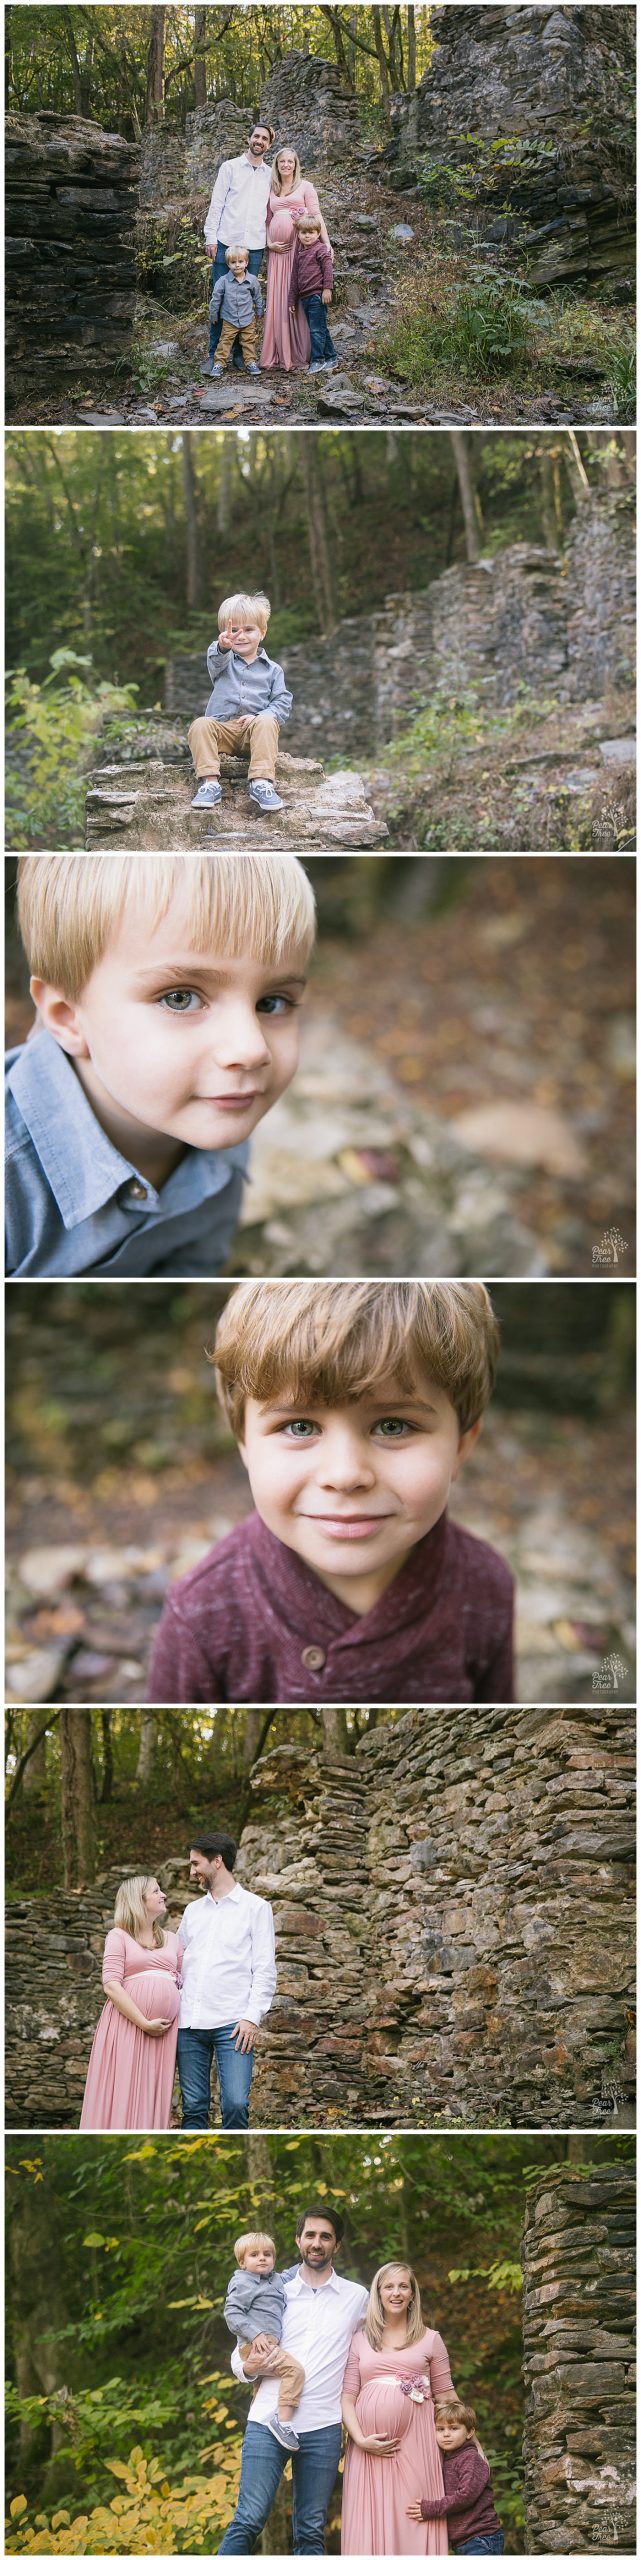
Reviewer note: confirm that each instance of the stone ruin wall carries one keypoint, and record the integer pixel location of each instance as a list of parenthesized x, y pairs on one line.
[(303, 100), (71, 280), (450, 1909), (560, 624), (578, 2331)]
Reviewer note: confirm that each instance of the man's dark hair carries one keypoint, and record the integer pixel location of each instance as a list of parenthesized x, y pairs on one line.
[(216, 1844), (320, 2213)]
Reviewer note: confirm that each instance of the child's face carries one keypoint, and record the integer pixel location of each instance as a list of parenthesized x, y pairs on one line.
[(449, 2436), (258, 2261), (353, 1487), (238, 263), (189, 1044), (308, 232), (246, 637)]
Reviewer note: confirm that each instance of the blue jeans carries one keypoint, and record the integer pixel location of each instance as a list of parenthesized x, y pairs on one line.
[(314, 2470), (219, 267), (316, 315), (196, 2049), (481, 2542)]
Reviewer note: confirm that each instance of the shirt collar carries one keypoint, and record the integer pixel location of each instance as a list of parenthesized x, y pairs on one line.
[(216, 1899), (298, 1594), (331, 2286), (82, 1167)]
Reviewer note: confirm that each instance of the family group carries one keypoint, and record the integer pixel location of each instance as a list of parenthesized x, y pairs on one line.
[(258, 207)]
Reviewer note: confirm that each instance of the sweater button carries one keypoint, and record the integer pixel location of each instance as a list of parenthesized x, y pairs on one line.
[(313, 1657)]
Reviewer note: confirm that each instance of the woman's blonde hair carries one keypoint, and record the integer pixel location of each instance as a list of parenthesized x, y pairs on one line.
[(253, 2240), (277, 184), (71, 906), (375, 2317), (330, 1341), (257, 608), (130, 1913)]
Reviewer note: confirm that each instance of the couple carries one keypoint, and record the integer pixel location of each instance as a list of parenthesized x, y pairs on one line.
[(253, 204), (370, 2362), (194, 1997)]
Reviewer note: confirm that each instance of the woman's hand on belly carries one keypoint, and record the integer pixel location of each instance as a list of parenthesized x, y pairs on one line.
[(156, 2026), (378, 2444)]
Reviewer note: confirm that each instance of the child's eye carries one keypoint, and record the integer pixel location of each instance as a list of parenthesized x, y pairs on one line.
[(180, 999), (298, 1429), (276, 1004), (392, 1427)]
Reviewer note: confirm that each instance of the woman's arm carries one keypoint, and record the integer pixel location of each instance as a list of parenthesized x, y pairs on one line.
[(440, 2369), (312, 206), (366, 2444), (127, 2008)]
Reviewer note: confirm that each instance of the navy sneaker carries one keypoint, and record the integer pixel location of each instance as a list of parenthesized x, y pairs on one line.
[(208, 795), (264, 796)]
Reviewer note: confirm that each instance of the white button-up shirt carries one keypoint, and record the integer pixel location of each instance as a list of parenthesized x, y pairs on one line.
[(228, 1959), (238, 208), (318, 2327)]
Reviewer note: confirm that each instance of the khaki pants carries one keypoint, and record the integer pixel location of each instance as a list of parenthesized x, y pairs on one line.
[(227, 337), (291, 2374), (256, 738)]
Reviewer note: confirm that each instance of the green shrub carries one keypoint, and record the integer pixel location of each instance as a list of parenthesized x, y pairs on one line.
[(485, 332), (50, 728)]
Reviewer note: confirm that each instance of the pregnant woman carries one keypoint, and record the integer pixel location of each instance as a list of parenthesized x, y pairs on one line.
[(133, 2055), (395, 2368), (286, 343)]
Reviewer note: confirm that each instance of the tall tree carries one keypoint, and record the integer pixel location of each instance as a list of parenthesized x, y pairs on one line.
[(78, 1793), (470, 501), (200, 66), (35, 1773), (147, 1747), (155, 94), (195, 592)]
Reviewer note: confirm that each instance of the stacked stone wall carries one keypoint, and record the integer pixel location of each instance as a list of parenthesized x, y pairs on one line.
[(70, 212), (578, 2331)]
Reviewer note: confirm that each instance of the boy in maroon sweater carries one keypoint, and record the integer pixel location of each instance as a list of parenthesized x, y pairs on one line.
[(312, 280), (354, 1403), (473, 2524)]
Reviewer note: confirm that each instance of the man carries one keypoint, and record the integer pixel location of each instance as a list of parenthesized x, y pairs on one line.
[(228, 1984), (322, 2312), (237, 217)]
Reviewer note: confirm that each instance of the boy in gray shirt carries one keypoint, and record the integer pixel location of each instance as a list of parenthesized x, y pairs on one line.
[(238, 301), (254, 2306)]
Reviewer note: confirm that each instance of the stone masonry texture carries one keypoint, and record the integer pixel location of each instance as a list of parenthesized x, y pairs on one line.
[(70, 217), (578, 2353)]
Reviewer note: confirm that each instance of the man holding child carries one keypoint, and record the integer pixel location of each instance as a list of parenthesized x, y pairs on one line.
[(238, 215)]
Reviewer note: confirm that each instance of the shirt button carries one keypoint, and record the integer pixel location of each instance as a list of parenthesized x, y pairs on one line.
[(137, 1190), (313, 1657)]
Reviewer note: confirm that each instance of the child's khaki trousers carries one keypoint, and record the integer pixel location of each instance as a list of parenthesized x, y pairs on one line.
[(255, 737), (291, 2374), (247, 339)]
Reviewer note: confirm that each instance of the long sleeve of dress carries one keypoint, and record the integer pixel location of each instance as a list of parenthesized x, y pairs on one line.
[(312, 206), (440, 2369), (113, 1962), (352, 2375)]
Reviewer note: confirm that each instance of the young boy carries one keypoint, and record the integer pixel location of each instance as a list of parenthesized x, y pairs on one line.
[(311, 283), (254, 2304), (354, 1404), (237, 301), (467, 2504), (245, 710), (166, 989)]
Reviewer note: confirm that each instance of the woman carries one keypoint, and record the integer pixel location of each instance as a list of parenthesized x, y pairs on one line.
[(286, 343), (133, 2055), (394, 2369)]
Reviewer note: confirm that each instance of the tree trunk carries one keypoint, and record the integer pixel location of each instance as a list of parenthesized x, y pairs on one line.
[(78, 1797), (470, 502), (225, 483), (549, 482), (155, 95), (411, 50), (338, 1741), (194, 556), (200, 70), (34, 1780), (256, 1724), (381, 57), (36, 2253), (576, 467), (106, 1789), (318, 539), (147, 1747)]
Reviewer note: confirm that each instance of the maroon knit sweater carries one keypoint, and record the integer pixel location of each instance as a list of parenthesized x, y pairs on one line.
[(468, 2497), (253, 1624), (312, 269)]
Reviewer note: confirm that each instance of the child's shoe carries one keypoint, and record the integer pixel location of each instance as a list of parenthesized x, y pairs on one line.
[(253, 368), (209, 366), (215, 370), (284, 2435), (208, 794), (264, 795)]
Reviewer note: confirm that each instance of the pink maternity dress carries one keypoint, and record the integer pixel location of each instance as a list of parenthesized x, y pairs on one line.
[(378, 2488), (286, 346), (131, 2075)]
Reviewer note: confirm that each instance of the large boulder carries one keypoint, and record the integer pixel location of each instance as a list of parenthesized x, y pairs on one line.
[(146, 808), (71, 279)]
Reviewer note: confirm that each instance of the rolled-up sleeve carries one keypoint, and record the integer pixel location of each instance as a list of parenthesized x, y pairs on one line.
[(218, 194), (263, 1964), (113, 1962), (352, 2375)]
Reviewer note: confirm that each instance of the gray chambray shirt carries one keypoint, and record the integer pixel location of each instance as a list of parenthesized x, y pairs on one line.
[(254, 2302), (75, 1205), (245, 689)]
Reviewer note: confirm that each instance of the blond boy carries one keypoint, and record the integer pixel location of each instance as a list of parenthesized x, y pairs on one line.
[(238, 303), (254, 2306), (248, 704), (354, 1404), (167, 990)]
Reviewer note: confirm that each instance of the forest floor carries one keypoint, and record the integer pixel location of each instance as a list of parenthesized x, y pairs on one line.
[(565, 360)]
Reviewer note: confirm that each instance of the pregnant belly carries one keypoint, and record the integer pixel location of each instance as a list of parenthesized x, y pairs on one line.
[(281, 228), (156, 1994), (384, 2410)]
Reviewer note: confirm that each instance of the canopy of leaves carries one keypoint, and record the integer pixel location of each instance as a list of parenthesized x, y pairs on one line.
[(93, 61)]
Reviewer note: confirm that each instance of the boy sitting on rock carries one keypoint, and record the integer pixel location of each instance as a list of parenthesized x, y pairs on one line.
[(245, 709), (237, 299), (312, 280)]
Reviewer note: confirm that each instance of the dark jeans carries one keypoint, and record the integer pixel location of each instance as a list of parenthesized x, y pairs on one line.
[(219, 267), (316, 316), (314, 2470), (481, 2542), (196, 2049)]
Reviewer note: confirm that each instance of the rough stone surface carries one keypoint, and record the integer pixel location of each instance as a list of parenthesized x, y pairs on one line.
[(70, 212), (562, 624), (145, 807), (538, 102), (452, 1920), (303, 100), (578, 2331)]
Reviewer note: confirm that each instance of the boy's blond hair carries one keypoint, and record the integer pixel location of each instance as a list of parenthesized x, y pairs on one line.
[(236, 250), (253, 2240), (71, 906), (330, 1341), (257, 607)]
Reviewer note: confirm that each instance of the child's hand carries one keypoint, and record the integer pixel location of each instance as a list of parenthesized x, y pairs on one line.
[(326, 296), (261, 2345), (415, 2511), (226, 637)]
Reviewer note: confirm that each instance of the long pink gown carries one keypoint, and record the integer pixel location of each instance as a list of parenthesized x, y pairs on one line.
[(378, 2488), (131, 2076), (286, 346)]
